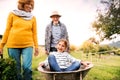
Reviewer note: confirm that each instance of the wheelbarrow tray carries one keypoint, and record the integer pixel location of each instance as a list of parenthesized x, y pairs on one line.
[(69, 75)]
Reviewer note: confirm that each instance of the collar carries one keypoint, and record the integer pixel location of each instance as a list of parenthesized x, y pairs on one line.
[(23, 14)]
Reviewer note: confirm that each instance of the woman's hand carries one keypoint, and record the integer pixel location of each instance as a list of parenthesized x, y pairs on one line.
[(36, 52), (1, 51)]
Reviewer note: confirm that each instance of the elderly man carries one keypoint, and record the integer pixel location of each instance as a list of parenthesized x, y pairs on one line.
[(55, 30)]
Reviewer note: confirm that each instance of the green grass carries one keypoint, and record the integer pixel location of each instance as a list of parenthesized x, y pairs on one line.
[(105, 68)]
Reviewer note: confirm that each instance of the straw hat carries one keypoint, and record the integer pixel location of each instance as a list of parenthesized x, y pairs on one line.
[(55, 13)]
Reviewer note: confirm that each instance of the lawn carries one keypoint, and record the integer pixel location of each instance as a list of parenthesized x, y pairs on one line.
[(105, 68)]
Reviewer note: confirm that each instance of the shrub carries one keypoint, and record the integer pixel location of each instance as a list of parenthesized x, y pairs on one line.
[(8, 69)]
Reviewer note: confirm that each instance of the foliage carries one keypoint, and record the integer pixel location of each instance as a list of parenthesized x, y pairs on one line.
[(117, 51), (103, 48), (7, 69), (73, 47), (93, 46), (107, 22), (89, 46)]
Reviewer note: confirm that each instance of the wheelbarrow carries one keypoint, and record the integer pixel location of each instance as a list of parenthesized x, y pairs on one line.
[(69, 75)]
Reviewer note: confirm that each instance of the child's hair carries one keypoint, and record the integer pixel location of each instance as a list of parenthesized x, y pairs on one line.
[(65, 42)]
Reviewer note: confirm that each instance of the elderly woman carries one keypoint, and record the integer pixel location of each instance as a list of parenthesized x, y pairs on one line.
[(20, 37)]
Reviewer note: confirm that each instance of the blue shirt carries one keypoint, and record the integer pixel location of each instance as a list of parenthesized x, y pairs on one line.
[(56, 35)]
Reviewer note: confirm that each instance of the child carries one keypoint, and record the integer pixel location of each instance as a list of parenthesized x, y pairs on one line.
[(62, 61)]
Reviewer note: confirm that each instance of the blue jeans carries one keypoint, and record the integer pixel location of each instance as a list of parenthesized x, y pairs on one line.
[(26, 54), (55, 67)]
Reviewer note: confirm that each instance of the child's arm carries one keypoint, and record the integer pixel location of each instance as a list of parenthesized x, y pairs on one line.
[(44, 63)]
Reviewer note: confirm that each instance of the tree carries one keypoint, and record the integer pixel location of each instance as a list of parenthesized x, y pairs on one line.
[(90, 45), (107, 22)]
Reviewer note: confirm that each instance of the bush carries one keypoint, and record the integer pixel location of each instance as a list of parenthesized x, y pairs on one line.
[(8, 69), (73, 48)]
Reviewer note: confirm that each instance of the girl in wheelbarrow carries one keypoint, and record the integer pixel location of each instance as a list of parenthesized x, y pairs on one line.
[(62, 61)]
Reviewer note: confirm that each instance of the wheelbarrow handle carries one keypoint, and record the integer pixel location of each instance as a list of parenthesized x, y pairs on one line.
[(1, 55)]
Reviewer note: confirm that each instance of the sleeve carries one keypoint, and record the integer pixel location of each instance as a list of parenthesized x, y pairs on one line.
[(66, 36), (73, 59), (46, 36), (46, 62), (35, 33), (8, 28)]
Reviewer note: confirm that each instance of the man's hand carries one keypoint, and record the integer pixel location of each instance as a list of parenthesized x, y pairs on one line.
[(46, 52)]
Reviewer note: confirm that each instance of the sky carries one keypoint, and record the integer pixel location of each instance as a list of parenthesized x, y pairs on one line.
[(77, 15)]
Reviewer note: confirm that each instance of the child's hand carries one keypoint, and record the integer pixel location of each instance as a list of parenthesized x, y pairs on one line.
[(85, 63), (41, 64)]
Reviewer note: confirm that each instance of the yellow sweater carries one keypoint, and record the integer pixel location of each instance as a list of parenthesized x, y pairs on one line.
[(20, 33)]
